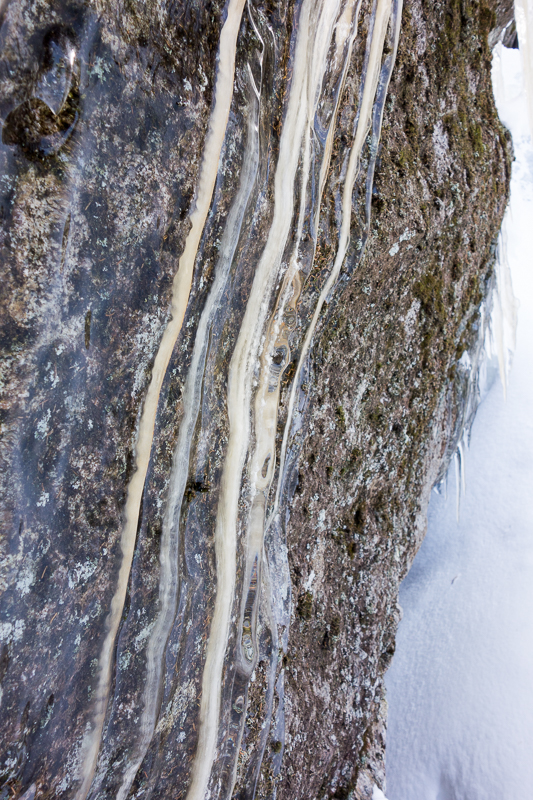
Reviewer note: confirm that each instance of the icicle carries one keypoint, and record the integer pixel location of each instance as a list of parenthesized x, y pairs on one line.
[(503, 320), (457, 463), (461, 449), (460, 470)]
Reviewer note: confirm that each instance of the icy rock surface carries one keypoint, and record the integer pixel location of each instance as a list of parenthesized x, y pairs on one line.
[(244, 247)]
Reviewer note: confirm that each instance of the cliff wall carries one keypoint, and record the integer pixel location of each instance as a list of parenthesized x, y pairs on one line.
[(244, 251)]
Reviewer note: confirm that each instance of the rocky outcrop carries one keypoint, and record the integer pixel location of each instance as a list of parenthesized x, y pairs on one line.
[(244, 251), (387, 422)]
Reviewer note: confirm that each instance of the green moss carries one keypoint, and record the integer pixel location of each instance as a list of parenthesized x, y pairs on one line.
[(429, 291), (352, 462), (473, 294), (335, 625), (487, 20), (376, 416), (305, 605), (403, 160), (477, 138)]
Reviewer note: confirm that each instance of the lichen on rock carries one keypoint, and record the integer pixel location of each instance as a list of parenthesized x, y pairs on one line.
[(314, 391)]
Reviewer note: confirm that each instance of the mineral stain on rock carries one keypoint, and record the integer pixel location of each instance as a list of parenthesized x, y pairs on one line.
[(244, 248), (88, 317)]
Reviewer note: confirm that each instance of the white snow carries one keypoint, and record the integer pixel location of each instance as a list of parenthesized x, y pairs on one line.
[(524, 28), (460, 689)]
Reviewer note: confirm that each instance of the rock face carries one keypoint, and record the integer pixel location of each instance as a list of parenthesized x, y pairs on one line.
[(244, 250)]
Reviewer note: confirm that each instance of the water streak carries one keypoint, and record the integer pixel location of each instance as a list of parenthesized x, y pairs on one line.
[(316, 18), (180, 295), (381, 21), (169, 577)]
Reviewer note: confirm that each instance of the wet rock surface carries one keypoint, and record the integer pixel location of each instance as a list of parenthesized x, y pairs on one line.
[(105, 125)]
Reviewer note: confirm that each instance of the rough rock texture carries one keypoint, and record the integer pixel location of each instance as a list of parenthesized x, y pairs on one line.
[(385, 424), (101, 156)]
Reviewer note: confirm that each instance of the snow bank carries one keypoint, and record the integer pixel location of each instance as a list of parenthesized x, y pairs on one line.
[(460, 688)]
